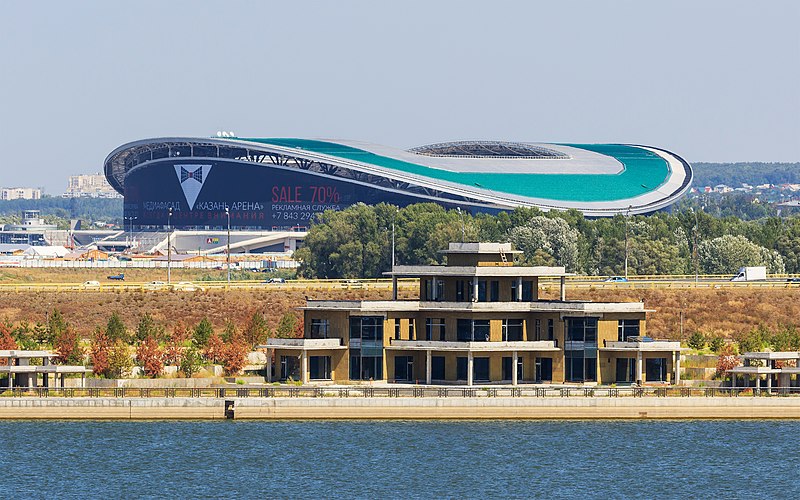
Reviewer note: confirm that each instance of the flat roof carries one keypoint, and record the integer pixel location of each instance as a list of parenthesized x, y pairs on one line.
[(383, 306), (486, 271)]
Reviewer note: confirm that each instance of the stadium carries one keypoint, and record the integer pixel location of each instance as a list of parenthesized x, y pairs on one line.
[(279, 184)]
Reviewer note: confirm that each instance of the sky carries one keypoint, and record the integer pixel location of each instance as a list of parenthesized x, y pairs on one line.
[(709, 80)]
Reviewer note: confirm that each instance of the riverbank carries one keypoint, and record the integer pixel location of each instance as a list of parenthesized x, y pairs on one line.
[(402, 408)]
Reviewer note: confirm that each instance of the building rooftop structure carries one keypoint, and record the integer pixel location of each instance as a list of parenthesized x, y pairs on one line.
[(21, 372)]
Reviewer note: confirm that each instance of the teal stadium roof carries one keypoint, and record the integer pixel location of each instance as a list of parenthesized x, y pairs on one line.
[(598, 179)]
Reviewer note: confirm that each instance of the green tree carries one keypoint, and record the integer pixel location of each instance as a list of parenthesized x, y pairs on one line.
[(286, 326), (202, 332), (256, 331), (115, 329), (191, 361), (696, 340), (726, 254), (148, 328), (547, 241), (56, 325), (119, 359)]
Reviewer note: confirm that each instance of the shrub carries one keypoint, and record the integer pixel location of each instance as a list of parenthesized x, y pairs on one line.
[(202, 332), (190, 363), (727, 360), (716, 343), (234, 356), (7, 342), (215, 349), (98, 353), (115, 329), (119, 359), (696, 340), (67, 346), (150, 357), (286, 326)]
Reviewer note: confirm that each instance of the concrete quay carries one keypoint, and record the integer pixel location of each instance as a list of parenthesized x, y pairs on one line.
[(403, 408)]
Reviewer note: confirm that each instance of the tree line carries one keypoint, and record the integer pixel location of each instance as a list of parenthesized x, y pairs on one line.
[(357, 242), (114, 349)]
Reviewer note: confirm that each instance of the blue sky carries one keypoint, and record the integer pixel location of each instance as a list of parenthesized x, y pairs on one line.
[(710, 80)]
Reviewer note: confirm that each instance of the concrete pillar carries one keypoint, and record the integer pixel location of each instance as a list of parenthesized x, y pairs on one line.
[(519, 289), (514, 361), (469, 368), (475, 289), (563, 287), (758, 382), (639, 374), (428, 368), (769, 383), (83, 380), (433, 289), (62, 380), (677, 368), (10, 380), (304, 366), (394, 287), (269, 365)]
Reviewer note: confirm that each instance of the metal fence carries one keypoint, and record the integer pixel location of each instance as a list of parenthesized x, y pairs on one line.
[(400, 392)]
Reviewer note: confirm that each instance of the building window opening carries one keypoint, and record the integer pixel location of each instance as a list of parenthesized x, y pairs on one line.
[(320, 328), (628, 328), (656, 369), (512, 330), (434, 329), (319, 367)]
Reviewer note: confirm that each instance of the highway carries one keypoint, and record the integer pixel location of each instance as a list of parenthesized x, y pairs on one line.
[(545, 284)]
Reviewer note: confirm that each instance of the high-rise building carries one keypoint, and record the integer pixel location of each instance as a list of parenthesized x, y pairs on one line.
[(89, 186), (20, 193)]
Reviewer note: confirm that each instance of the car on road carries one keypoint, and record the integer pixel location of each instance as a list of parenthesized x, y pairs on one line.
[(155, 285), (90, 284), (793, 280), (616, 279), (275, 280), (186, 286)]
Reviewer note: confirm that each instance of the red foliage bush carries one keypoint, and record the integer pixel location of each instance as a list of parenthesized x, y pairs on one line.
[(150, 357), (67, 347), (98, 353), (7, 342), (727, 360), (215, 348)]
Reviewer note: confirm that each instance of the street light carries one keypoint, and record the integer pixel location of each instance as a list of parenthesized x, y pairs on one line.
[(228, 214), (393, 218), (169, 246)]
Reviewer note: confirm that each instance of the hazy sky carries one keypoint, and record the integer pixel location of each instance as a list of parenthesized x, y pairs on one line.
[(710, 80)]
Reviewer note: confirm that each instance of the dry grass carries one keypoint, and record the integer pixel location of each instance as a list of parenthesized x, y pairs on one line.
[(727, 311)]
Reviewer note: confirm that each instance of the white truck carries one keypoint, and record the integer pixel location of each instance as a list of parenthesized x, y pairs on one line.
[(757, 273)]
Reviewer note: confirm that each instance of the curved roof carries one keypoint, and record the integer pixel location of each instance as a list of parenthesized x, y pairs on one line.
[(598, 179)]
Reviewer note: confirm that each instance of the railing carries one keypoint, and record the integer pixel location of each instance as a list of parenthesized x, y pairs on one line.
[(400, 392)]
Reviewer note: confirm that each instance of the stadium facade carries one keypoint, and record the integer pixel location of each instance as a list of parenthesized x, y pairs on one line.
[(279, 184)]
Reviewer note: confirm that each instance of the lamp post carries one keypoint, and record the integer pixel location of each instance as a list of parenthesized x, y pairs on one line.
[(463, 227), (694, 249), (393, 219), (228, 214), (169, 246)]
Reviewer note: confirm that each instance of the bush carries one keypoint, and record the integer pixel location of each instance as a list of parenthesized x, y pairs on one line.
[(716, 343), (190, 362), (696, 341), (202, 332)]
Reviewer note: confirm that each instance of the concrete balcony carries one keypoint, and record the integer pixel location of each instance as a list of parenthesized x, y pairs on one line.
[(641, 345), (429, 345), (303, 344)]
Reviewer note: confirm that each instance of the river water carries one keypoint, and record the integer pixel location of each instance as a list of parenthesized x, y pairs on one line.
[(383, 459)]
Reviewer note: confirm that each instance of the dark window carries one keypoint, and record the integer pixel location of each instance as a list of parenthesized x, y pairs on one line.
[(319, 367), (494, 293), (507, 373), (410, 330), (366, 327), (551, 329), (512, 330), (655, 369), (544, 369), (320, 328), (480, 367), (397, 328), (527, 291), (481, 290), (290, 368), (580, 349), (628, 328), (437, 368), (480, 330), (365, 367), (626, 370), (404, 368), (434, 329), (461, 368), (537, 332), (464, 330), (514, 291)]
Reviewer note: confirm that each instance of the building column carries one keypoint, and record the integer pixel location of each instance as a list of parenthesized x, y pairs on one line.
[(394, 287), (10, 380), (639, 374), (514, 361), (83, 380), (469, 368), (475, 289), (519, 289), (733, 380), (433, 296), (269, 365), (758, 382), (563, 287), (677, 368), (62, 380), (769, 383), (304, 366), (428, 368)]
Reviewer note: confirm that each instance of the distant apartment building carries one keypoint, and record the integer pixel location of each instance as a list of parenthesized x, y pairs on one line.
[(20, 193), (89, 186)]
